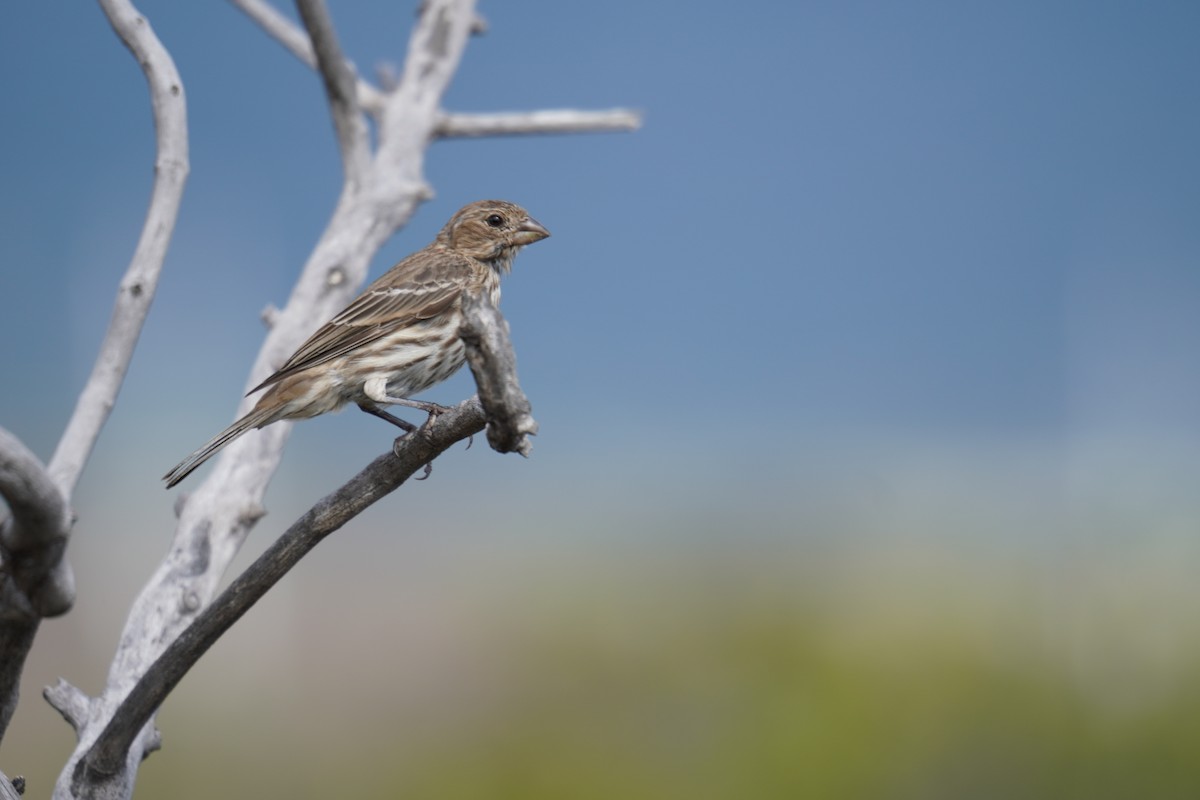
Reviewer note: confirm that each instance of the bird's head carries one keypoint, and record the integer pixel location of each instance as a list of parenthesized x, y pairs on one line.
[(492, 231)]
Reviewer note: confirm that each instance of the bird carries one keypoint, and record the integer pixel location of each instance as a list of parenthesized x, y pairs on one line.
[(396, 339)]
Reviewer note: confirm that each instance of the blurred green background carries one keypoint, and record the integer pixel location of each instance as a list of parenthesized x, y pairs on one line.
[(901, 639), (867, 375)]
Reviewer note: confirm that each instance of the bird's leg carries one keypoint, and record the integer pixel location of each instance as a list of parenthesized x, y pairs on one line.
[(376, 390), (376, 411), (400, 423), (432, 409)]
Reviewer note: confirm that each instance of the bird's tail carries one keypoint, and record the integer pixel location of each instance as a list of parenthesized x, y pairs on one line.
[(255, 419)]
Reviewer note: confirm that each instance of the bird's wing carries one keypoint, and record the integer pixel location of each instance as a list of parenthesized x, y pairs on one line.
[(420, 287)]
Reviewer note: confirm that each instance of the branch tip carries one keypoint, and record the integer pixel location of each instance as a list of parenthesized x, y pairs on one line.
[(524, 123), (484, 334), (70, 702), (269, 315)]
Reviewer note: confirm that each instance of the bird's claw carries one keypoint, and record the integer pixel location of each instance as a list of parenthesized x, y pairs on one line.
[(396, 445), (434, 411)]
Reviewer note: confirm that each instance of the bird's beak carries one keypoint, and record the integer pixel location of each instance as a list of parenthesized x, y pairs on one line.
[(530, 231)]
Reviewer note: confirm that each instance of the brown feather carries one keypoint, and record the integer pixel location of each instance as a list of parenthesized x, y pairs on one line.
[(429, 282)]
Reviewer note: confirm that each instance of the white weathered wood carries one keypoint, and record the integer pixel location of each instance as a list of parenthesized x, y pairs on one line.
[(524, 123), (137, 287)]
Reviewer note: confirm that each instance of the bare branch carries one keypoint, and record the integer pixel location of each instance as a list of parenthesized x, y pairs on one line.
[(409, 118), (16, 637), (33, 538), (339, 80), (296, 42), (137, 288), (35, 581), (381, 477), (280, 28), (494, 364), (537, 122)]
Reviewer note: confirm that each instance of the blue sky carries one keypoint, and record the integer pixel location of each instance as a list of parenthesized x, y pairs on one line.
[(846, 229), (917, 280)]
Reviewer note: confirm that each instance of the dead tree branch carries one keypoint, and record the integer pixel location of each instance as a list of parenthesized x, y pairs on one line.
[(381, 477), (489, 352), (491, 355), (380, 193)]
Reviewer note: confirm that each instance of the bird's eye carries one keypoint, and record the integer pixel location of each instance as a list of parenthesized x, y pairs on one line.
[(495, 220)]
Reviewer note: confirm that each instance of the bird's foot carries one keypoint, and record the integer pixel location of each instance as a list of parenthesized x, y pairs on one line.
[(434, 411), (427, 470), (376, 411)]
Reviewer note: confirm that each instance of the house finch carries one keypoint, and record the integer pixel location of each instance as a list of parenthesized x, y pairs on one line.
[(399, 337)]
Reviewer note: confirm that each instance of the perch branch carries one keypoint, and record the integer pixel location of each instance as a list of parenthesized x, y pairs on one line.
[(490, 354), (385, 474)]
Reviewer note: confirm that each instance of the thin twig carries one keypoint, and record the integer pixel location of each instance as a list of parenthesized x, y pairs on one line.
[(70, 701), (339, 80), (296, 42), (454, 125)]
